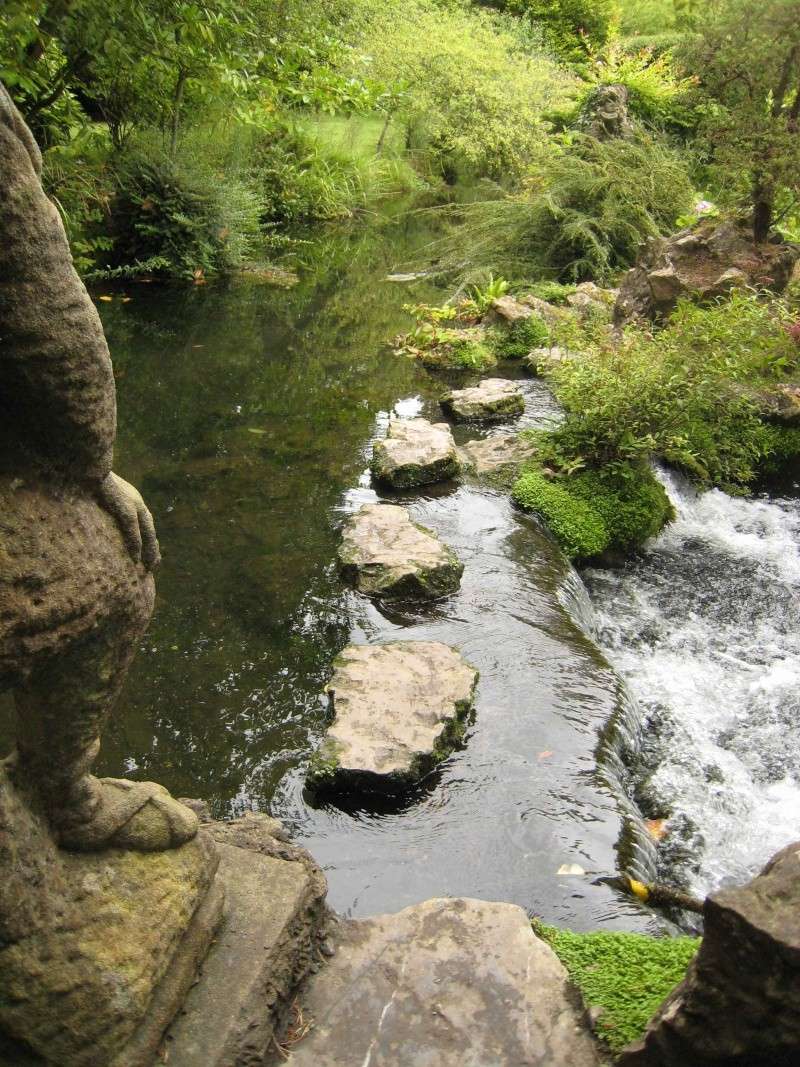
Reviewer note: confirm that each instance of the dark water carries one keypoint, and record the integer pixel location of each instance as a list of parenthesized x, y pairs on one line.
[(246, 415)]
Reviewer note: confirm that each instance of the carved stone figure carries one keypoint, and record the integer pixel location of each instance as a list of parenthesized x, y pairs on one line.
[(77, 543), (605, 113)]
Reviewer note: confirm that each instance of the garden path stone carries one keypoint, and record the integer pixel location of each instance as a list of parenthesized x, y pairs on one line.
[(499, 456), (445, 983), (415, 452), (397, 710), (384, 554), (492, 400)]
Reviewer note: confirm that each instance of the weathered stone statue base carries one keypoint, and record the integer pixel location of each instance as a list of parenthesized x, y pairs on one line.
[(95, 943)]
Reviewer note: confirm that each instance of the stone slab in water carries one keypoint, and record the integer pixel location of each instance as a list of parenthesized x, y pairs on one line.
[(384, 554), (445, 983), (499, 456), (415, 452), (397, 711), (267, 943), (491, 400)]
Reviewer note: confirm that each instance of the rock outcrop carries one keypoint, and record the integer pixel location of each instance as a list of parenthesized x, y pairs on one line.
[(443, 983), (415, 452), (386, 555), (739, 1005), (397, 710), (700, 263), (492, 400)]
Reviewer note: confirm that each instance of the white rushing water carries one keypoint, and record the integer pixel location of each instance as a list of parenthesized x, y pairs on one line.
[(705, 628)]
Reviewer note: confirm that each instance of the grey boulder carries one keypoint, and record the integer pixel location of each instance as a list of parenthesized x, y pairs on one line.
[(415, 452), (491, 400)]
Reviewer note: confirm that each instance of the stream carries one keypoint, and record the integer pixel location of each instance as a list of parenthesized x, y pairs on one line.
[(247, 414)]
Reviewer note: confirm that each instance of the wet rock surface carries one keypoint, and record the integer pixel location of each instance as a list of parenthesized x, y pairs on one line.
[(740, 1001), (500, 456), (702, 263), (492, 400), (415, 452), (384, 554), (397, 709), (445, 983)]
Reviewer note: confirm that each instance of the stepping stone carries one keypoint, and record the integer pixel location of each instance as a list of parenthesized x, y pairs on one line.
[(415, 452), (495, 456), (445, 983), (491, 400), (398, 710), (384, 554)]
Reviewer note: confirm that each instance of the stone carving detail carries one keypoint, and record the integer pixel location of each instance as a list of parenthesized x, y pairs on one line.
[(77, 543)]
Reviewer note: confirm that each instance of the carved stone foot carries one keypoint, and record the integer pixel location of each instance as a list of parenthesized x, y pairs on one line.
[(141, 816)]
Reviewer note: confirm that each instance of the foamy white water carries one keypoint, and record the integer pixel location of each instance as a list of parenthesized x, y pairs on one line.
[(706, 630)]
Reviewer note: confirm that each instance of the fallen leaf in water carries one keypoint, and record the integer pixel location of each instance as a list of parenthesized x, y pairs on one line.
[(545, 755), (571, 868), (106, 299), (255, 429), (127, 299), (639, 889), (657, 828)]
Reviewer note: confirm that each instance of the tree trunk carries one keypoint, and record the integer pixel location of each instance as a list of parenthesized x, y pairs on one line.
[(762, 213), (177, 100), (384, 131)]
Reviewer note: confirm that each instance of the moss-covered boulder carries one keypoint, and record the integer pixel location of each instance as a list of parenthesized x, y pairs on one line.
[(492, 400), (397, 709), (415, 452), (384, 554), (595, 513)]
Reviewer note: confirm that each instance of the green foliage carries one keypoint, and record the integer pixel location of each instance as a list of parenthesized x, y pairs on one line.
[(517, 340), (570, 27), (552, 292), (627, 975), (478, 82), (615, 508), (483, 296), (658, 95), (576, 526), (584, 209), (677, 394), (182, 213)]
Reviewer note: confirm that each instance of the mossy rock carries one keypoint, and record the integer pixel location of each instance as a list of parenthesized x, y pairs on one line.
[(520, 338), (471, 348), (597, 512)]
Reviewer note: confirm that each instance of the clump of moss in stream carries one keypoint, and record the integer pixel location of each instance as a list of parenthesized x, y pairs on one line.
[(626, 975), (520, 338), (596, 512)]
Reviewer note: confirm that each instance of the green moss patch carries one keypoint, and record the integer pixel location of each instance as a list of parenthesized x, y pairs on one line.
[(626, 975), (611, 509), (522, 337)]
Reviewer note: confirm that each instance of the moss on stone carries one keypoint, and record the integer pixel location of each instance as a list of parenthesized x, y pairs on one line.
[(520, 338), (597, 511), (625, 975), (784, 452), (460, 353)]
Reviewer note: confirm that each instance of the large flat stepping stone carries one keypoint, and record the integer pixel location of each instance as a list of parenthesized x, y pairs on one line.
[(384, 554), (499, 456), (415, 452), (398, 710), (491, 400), (446, 983)]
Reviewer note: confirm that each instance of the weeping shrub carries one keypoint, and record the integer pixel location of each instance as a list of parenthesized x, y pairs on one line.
[(582, 214)]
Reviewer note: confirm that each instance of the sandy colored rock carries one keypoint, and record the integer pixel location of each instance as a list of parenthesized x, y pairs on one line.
[(740, 1001), (502, 455), (539, 360), (384, 554), (415, 452), (492, 400), (396, 711), (445, 983)]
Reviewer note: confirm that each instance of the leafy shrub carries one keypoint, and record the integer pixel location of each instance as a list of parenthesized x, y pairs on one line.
[(677, 394), (517, 340), (182, 213), (569, 27), (658, 95), (553, 292)]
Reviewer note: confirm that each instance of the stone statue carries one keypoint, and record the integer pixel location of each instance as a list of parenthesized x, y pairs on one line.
[(77, 544), (108, 898), (605, 113)]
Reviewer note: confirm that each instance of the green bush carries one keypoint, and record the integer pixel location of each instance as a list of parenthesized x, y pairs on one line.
[(627, 975), (517, 340), (183, 213), (569, 27), (595, 511)]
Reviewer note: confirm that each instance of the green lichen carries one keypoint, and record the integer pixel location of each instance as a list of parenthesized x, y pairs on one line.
[(521, 337), (614, 509), (626, 975)]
